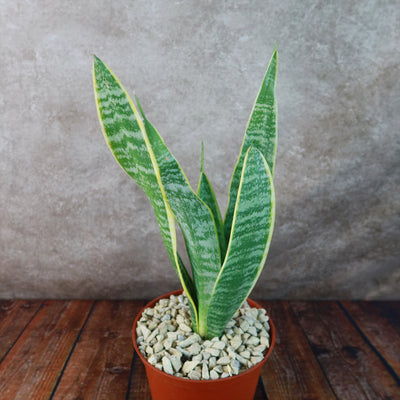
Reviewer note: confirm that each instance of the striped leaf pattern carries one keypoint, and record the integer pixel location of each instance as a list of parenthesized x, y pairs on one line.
[(125, 134), (261, 132), (252, 227), (195, 220), (206, 193)]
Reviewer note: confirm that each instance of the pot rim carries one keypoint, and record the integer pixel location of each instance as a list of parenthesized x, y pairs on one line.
[(201, 381)]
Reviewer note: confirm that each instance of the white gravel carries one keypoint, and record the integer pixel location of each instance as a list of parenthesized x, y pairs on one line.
[(165, 338)]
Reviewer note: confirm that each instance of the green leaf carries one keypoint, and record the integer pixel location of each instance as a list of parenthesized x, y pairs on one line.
[(206, 193), (195, 220), (126, 136), (252, 227), (261, 132)]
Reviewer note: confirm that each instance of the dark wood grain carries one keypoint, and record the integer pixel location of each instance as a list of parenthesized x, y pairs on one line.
[(380, 323), (14, 317), (292, 372), (139, 389), (353, 369), (260, 393), (99, 367), (31, 368)]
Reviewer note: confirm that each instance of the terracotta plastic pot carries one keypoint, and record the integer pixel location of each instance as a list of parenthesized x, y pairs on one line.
[(168, 387)]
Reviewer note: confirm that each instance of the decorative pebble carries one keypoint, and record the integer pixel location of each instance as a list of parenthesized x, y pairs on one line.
[(168, 343), (165, 338), (152, 359), (196, 375), (212, 362), (241, 360), (189, 366), (253, 341), (198, 357), (153, 324), (149, 311), (256, 360), (235, 365), (262, 317), (175, 352), (227, 369), (194, 349), (264, 341), (245, 354), (218, 345), (212, 351), (218, 368), (252, 330), (260, 348), (173, 335), (190, 340), (152, 335), (236, 342), (231, 352), (167, 366), (176, 363), (214, 374), (184, 352), (158, 347), (185, 328), (205, 374), (145, 331), (244, 325), (224, 360)]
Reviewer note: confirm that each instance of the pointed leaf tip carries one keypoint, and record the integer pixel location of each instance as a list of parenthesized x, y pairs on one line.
[(96, 59), (275, 54)]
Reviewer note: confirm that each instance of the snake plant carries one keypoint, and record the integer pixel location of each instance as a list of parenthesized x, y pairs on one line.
[(226, 255)]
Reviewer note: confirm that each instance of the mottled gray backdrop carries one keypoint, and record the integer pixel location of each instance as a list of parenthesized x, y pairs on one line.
[(72, 224)]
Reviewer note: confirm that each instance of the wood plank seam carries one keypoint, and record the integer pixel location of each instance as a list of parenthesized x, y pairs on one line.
[(21, 333), (134, 355), (261, 384), (128, 389), (374, 349), (72, 350), (313, 351)]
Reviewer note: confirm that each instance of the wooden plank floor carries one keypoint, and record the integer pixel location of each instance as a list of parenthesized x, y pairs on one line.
[(82, 350)]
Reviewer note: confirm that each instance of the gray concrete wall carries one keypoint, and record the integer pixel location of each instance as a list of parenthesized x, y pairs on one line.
[(72, 224)]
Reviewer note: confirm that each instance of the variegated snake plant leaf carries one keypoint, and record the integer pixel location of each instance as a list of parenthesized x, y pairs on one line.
[(226, 257)]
